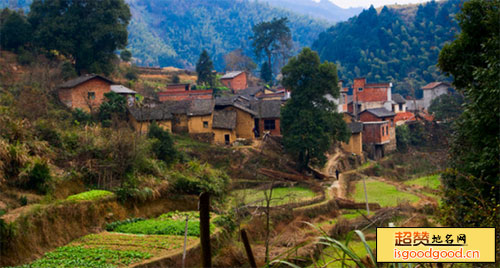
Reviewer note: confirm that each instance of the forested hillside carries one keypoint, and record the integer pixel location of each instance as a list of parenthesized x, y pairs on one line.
[(393, 44), (173, 33), (323, 9)]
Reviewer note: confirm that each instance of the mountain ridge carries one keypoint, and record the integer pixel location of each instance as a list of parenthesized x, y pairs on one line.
[(324, 9)]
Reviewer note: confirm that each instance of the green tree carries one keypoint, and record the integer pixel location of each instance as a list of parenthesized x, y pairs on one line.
[(163, 147), (447, 107), (126, 55), (204, 68), (471, 185), (402, 138), (15, 31), (265, 72), (115, 106), (309, 122), (272, 38), (89, 31)]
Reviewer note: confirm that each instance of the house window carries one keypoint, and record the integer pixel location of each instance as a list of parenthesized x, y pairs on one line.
[(360, 89), (205, 124), (387, 130), (269, 124), (400, 107), (91, 95)]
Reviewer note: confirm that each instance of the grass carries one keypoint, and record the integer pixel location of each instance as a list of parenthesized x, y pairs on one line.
[(90, 195), (330, 253), (382, 193), (349, 214), (166, 224), (78, 256), (280, 196), (431, 181), (111, 250)]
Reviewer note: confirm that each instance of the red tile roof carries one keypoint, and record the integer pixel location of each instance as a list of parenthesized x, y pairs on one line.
[(434, 84), (404, 116)]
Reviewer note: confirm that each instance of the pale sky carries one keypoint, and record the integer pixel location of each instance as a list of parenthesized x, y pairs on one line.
[(375, 3)]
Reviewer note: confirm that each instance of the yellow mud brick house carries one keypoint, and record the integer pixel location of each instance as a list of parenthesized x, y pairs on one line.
[(245, 123), (224, 126), (142, 117)]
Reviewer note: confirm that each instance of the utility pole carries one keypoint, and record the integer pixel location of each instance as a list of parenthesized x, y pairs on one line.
[(205, 230), (366, 198)]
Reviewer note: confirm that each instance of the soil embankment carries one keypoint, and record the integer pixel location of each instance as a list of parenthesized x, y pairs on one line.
[(44, 228)]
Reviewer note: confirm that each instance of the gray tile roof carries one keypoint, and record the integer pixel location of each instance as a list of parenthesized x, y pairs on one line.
[(157, 113), (230, 75), (267, 108), (249, 91), (177, 107), (224, 119), (82, 79), (398, 98), (356, 127), (201, 107), (380, 112), (235, 101), (122, 90)]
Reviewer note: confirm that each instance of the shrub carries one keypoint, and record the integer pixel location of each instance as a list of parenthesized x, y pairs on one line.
[(39, 176), (114, 106), (25, 57), (67, 70), (81, 117), (198, 178), (132, 74), (48, 132), (226, 222), (112, 226), (402, 138), (23, 200), (7, 233), (163, 147)]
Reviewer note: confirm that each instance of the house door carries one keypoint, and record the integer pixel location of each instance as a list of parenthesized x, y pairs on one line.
[(256, 127), (226, 138)]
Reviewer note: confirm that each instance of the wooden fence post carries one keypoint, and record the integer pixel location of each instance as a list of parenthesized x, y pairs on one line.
[(248, 248), (205, 229)]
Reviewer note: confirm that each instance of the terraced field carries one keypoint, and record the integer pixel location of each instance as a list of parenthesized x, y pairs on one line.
[(280, 195), (383, 193), (131, 241)]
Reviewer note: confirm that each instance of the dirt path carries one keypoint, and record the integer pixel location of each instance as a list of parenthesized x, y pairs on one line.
[(331, 164)]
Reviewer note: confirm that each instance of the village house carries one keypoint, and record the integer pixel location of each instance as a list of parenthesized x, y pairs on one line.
[(342, 101), (236, 80), (87, 92), (355, 144), (379, 131), (224, 126), (244, 120), (370, 95), (142, 117), (434, 90), (430, 92), (268, 117), (220, 121), (180, 92), (399, 103)]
